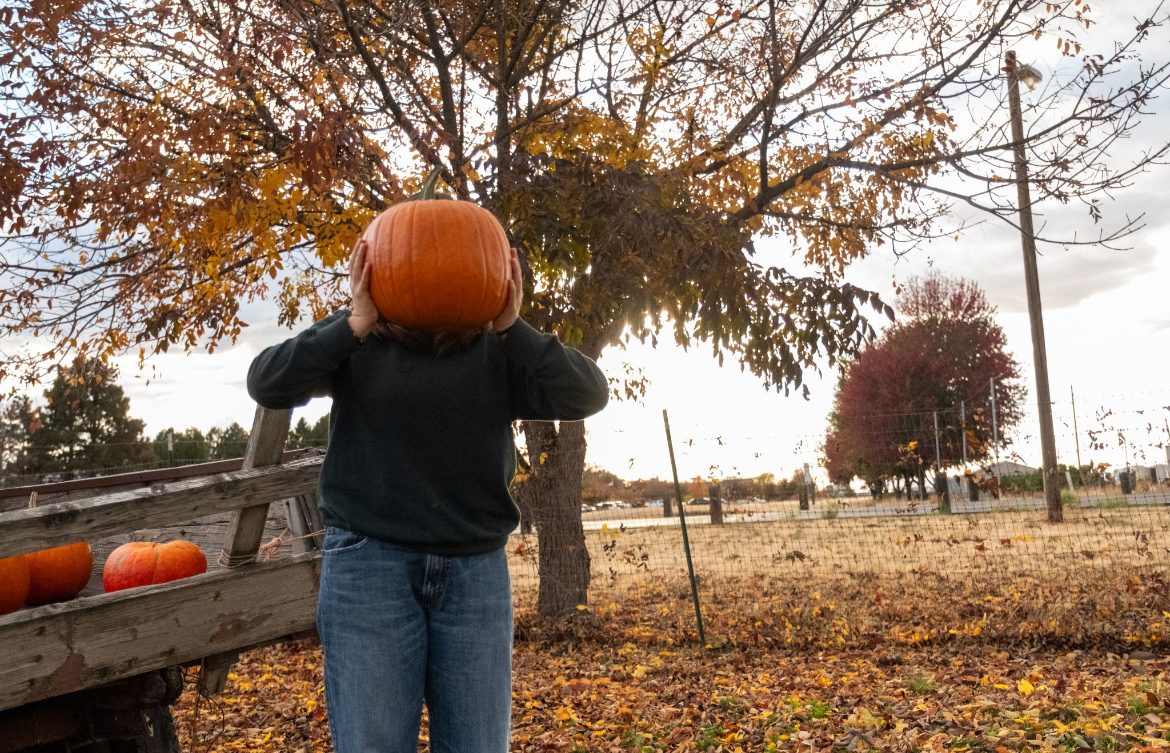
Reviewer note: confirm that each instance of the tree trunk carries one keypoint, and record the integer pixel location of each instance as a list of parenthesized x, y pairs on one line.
[(523, 495), (553, 493)]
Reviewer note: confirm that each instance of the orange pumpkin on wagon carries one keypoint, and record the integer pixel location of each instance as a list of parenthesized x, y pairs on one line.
[(145, 563)]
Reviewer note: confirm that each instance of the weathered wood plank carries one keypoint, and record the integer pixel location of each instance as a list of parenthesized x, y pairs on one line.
[(265, 445), (16, 497), (61, 648), (305, 523), (60, 523)]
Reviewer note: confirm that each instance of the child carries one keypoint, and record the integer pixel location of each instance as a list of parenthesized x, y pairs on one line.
[(415, 600)]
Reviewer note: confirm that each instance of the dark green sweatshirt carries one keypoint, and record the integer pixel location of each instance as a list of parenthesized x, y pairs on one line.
[(420, 445)]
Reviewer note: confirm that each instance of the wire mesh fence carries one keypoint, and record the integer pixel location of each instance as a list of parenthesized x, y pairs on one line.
[(949, 506)]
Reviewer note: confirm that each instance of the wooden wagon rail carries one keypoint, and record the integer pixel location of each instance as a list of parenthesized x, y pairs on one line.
[(62, 648), (14, 497), (95, 641), (58, 523)]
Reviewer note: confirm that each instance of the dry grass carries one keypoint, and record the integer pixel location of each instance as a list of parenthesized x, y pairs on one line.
[(1090, 543)]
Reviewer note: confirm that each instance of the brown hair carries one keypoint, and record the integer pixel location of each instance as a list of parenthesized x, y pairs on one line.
[(417, 338)]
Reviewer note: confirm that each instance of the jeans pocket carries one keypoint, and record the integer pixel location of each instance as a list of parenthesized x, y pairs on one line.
[(339, 540)]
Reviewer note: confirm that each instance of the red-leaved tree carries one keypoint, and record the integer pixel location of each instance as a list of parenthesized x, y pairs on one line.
[(938, 360)]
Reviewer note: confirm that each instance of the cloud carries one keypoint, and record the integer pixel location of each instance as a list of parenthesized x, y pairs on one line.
[(1067, 276)]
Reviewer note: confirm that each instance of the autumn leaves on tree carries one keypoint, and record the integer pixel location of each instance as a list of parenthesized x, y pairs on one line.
[(163, 165)]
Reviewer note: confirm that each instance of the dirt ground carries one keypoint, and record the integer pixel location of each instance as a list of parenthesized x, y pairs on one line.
[(786, 666), (980, 633)]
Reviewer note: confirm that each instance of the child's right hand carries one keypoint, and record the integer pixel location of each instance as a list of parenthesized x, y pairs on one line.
[(363, 314)]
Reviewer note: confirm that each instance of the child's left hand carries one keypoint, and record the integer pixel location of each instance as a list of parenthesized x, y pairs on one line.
[(511, 310)]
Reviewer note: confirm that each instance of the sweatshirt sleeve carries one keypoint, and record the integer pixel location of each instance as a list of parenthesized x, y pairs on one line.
[(291, 373), (549, 381)]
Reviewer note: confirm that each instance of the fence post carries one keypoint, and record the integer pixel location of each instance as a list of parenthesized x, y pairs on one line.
[(666, 507), (940, 478), (809, 485), (994, 431), (265, 447), (963, 428), (715, 508), (682, 521), (1167, 424), (1076, 433)]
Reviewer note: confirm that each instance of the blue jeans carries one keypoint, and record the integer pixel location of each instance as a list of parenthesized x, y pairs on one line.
[(399, 627)]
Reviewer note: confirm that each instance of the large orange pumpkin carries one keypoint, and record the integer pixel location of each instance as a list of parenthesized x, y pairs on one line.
[(13, 583), (438, 264), (142, 563), (59, 573)]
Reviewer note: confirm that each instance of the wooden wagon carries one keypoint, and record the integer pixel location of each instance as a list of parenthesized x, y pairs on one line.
[(98, 673)]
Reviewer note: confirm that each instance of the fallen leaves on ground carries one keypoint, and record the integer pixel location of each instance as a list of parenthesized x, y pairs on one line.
[(785, 669)]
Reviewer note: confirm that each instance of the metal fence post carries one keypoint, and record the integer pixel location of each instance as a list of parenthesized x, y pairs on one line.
[(682, 521), (940, 479)]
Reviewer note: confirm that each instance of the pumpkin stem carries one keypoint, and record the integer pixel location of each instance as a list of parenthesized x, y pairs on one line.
[(428, 186)]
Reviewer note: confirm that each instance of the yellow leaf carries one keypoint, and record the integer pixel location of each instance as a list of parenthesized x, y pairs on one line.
[(864, 719), (1026, 687)]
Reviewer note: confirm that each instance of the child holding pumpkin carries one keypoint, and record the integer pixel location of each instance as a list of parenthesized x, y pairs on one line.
[(415, 600)]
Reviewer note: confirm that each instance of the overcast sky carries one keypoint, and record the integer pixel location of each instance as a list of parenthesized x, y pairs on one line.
[(1107, 319)]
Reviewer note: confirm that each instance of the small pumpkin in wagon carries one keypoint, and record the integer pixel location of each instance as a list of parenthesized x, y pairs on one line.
[(59, 573), (145, 563), (13, 583)]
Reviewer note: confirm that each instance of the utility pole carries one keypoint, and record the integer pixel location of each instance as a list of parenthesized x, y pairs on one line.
[(1028, 74)]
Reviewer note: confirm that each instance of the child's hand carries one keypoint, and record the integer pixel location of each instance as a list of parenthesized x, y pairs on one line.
[(363, 313), (511, 310)]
